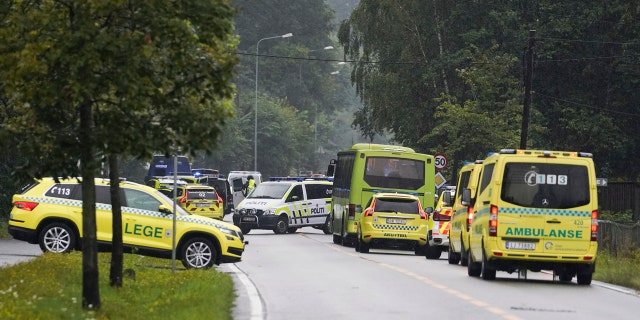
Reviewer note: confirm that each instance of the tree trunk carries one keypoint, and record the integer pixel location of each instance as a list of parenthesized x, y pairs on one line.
[(117, 256), (90, 283)]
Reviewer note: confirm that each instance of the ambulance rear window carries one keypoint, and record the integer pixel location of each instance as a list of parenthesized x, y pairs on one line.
[(396, 205), (545, 185)]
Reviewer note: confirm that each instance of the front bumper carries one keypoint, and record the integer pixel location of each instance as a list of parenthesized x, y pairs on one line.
[(252, 221)]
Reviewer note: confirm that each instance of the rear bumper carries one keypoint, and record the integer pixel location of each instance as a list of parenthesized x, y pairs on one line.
[(22, 234)]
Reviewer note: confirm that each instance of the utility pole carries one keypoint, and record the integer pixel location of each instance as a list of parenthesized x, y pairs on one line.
[(528, 75)]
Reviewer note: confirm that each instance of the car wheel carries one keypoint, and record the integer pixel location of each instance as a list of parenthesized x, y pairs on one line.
[(584, 278), (454, 257), (364, 247), (326, 228), (473, 268), (245, 230), (565, 276), (420, 250), (432, 253), (57, 237), (292, 230), (281, 226), (198, 253), (337, 239), (488, 270), (464, 260)]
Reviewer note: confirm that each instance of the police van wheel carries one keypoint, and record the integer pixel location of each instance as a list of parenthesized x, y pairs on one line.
[(57, 237), (364, 247), (292, 230), (325, 227), (198, 253), (281, 226), (337, 239), (245, 230)]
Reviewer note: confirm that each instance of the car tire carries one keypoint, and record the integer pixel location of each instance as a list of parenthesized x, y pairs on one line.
[(326, 228), (565, 276), (57, 237), (292, 230), (337, 239), (432, 253), (420, 250), (473, 268), (464, 260), (282, 225), (198, 253), (454, 257), (584, 278), (488, 270), (245, 230), (364, 247)]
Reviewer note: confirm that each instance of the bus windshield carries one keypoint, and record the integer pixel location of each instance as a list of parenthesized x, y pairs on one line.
[(396, 173)]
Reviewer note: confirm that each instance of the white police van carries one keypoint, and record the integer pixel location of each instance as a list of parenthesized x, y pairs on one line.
[(286, 205)]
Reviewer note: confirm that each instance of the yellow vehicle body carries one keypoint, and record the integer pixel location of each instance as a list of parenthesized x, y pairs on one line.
[(392, 221), (535, 210), (201, 200), (366, 169), (462, 212), (50, 213)]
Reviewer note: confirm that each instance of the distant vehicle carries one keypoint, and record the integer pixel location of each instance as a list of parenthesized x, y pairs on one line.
[(286, 205), (438, 234), (50, 213), (365, 169), (201, 200), (393, 221), (162, 166), (237, 180)]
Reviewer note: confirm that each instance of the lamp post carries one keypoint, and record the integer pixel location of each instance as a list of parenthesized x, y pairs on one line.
[(255, 123)]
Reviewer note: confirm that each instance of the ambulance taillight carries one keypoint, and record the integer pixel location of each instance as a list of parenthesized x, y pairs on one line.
[(594, 225), (352, 211), (469, 217), (493, 221)]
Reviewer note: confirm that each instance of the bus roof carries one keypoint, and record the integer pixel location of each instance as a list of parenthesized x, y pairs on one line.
[(375, 146)]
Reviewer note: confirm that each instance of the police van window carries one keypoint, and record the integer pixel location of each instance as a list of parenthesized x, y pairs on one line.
[(65, 191), (140, 200), (295, 194), (318, 191), (487, 172)]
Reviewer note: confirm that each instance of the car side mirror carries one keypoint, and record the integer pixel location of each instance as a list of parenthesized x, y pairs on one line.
[(466, 197), (165, 209), (447, 199)]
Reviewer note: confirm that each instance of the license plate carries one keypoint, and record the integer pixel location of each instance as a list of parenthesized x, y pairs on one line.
[(520, 245), (202, 205), (249, 219), (396, 221)]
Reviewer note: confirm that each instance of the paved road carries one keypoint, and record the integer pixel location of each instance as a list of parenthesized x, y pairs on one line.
[(14, 251)]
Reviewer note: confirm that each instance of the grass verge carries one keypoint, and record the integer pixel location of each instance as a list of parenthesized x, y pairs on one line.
[(622, 270), (50, 287)]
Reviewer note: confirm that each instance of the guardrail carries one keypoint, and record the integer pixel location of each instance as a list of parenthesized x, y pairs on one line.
[(618, 238)]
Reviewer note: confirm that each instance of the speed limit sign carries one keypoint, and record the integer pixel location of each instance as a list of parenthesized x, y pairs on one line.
[(441, 161)]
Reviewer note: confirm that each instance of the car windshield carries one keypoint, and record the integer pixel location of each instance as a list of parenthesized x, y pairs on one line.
[(396, 205), (543, 185), (269, 191)]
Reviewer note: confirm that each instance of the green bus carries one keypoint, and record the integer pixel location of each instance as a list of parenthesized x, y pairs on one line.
[(365, 169)]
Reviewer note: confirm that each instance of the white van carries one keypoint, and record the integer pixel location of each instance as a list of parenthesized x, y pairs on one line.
[(237, 179)]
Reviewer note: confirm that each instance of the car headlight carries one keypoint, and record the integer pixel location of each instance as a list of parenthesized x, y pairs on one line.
[(242, 211), (270, 211), (229, 232)]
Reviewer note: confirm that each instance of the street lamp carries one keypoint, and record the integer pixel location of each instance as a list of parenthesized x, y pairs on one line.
[(255, 123)]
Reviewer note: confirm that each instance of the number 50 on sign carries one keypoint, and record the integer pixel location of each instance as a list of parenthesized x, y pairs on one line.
[(441, 161)]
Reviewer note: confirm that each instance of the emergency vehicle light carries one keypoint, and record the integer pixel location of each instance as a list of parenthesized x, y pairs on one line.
[(493, 221), (594, 225)]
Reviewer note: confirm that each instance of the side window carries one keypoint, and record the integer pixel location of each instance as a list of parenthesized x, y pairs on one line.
[(318, 191), (487, 172), (65, 191), (464, 182), (295, 194), (140, 200), (103, 194)]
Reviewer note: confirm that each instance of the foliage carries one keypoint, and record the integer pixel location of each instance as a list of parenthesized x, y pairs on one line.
[(408, 72), (619, 217), (49, 287)]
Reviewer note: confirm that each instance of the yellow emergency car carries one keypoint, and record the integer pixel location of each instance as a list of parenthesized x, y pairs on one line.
[(286, 205), (535, 210), (201, 200), (392, 221), (462, 212), (49, 213)]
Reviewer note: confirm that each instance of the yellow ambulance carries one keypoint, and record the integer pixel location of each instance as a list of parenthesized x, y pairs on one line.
[(462, 212), (535, 210)]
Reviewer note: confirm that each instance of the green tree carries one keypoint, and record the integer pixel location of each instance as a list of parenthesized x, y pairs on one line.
[(90, 79)]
